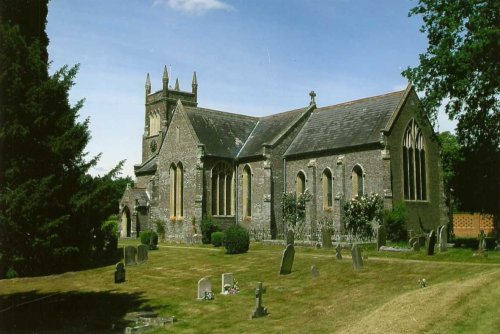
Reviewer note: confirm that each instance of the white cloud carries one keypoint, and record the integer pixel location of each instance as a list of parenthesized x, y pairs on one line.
[(197, 7)]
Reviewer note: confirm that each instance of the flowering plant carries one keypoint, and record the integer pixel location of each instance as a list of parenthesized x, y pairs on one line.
[(361, 212), (208, 295), (422, 282), (231, 289)]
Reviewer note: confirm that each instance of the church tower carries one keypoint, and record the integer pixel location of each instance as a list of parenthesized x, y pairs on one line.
[(159, 107)]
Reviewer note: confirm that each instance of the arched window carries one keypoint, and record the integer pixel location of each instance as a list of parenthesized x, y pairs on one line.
[(301, 183), (327, 182), (414, 174), (173, 190), (222, 190), (179, 207), (357, 182), (247, 191)]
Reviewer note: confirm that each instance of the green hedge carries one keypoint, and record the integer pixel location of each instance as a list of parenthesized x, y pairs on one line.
[(218, 238), (473, 243), (146, 237), (237, 240)]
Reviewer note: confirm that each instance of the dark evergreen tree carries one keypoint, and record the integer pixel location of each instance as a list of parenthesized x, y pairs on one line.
[(461, 69), (51, 210)]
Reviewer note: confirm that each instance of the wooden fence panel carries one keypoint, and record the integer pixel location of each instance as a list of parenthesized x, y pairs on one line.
[(469, 225)]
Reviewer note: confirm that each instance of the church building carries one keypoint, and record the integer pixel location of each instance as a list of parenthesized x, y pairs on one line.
[(235, 168)]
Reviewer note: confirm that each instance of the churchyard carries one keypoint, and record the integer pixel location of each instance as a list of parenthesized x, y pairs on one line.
[(322, 294)]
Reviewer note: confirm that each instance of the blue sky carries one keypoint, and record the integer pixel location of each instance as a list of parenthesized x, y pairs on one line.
[(252, 57)]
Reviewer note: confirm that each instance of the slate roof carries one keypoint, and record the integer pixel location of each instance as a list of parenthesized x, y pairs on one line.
[(222, 133), (148, 167), (268, 130), (140, 196), (345, 125)]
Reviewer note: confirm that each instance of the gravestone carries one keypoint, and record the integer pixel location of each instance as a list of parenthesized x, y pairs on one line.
[(431, 243), (443, 238), (129, 255), (259, 311), (142, 253), (326, 237), (381, 237), (287, 260), (120, 273), (422, 240), (290, 237), (204, 286), (227, 279), (314, 271), (338, 252), (357, 261), (414, 244)]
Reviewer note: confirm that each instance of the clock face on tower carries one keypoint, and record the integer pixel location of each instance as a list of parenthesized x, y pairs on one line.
[(152, 145)]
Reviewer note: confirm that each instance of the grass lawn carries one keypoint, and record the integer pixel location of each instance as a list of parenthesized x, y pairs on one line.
[(463, 293)]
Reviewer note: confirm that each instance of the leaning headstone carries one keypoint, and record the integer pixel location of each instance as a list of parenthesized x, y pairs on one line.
[(129, 255), (482, 241), (381, 237), (326, 237), (287, 260), (290, 237), (314, 271), (204, 287), (259, 311), (227, 283), (431, 243), (142, 253), (357, 261), (414, 244), (338, 252), (120, 273), (443, 238)]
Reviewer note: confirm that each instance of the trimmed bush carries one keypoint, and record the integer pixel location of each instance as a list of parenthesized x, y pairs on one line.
[(208, 226), (395, 222), (146, 237), (237, 240), (218, 238)]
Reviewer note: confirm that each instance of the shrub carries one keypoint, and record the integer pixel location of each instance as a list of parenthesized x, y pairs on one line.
[(237, 240), (395, 222), (218, 238), (146, 237), (110, 237), (473, 243), (208, 226)]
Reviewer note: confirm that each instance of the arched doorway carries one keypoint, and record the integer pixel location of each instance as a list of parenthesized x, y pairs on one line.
[(126, 223)]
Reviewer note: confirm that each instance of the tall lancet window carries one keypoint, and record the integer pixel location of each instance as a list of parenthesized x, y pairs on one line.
[(222, 190), (357, 182), (414, 172), (327, 183), (247, 191), (176, 190), (301, 183)]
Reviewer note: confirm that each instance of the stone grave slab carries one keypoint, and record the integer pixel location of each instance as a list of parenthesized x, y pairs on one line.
[(259, 311), (204, 285), (142, 253), (443, 239), (338, 252), (381, 237), (431, 243), (287, 260), (227, 280), (326, 237), (290, 237), (357, 260), (129, 255), (120, 273)]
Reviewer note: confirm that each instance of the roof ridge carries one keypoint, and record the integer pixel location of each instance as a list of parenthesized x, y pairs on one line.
[(359, 100), (223, 112), (283, 112)]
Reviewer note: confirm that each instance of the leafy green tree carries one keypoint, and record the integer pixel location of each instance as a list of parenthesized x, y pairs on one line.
[(460, 69), (51, 210)]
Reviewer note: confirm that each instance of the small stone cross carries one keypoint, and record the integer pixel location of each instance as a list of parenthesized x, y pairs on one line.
[(312, 94), (259, 310)]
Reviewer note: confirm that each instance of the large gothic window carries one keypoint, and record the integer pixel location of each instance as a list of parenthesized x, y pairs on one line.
[(222, 190), (414, 164), (357, 182), (247, 191), (327, 183), (176, 190), (301, 183)]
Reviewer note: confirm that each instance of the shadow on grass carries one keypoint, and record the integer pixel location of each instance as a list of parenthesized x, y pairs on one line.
[(73, 312)]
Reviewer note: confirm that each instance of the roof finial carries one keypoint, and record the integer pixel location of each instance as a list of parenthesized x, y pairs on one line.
[(176, 84), (148, 85), (312, 94), (165, 73), (195, 82)]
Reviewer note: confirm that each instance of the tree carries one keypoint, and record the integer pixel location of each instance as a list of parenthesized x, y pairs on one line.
[(51, 209), (460, 69)]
